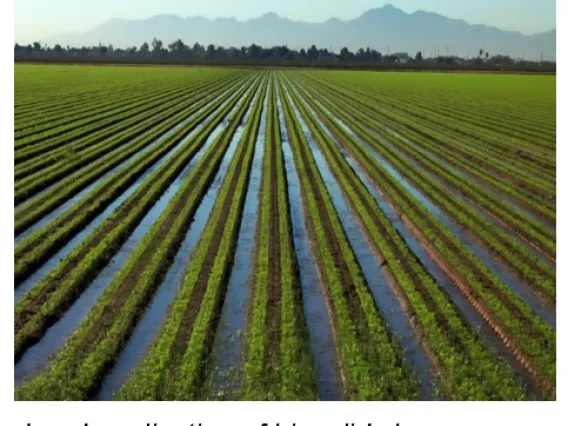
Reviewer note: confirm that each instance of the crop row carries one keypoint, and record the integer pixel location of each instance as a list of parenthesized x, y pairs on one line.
[(36, 248), (89, 353), (127, 119), (431, 259), (448, 150), (59, 192), (278, 363), (114, 102), (528, 267), (534, 339), (370, 358), (468, 369), (75, 150), (46, 301), (490, 117), (174, 366), (127, 144), (459, 128), (531, 229)]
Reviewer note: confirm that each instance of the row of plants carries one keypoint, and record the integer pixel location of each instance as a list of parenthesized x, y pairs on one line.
[(526, 265), (95, 344), (468, 368), (53, 197), (533, 337), (40, 245), (44, 155), (532, 230), (506, 129), (162, 119), (448, 151), (479, 115), (115, 102), (369, 356), (484, 156), (278, 363), (49, 299), (523, 157), (104, 119), (174, 367)]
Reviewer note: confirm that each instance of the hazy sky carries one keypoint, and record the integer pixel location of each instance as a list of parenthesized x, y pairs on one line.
[(37, 19)]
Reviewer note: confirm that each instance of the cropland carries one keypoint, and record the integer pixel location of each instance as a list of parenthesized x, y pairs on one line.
[(194, 233)]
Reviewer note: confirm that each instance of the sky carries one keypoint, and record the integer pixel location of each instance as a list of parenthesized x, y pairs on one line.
[(37, 19)]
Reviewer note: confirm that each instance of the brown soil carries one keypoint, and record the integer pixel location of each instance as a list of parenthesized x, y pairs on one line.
[(273, 317)]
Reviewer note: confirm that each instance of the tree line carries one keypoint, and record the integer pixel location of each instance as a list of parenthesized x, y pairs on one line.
[(156, 51)]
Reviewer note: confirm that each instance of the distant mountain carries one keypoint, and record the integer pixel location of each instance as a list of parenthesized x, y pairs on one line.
[(385, 28)]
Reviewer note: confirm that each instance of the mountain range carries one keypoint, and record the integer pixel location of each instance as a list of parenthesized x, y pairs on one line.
[(387, 29)]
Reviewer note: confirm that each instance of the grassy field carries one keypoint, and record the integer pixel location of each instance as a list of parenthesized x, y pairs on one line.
[(233, 233)]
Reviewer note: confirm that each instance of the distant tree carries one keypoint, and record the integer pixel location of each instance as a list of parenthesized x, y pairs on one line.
[(265, 53), (345, 54), (102, 50), (375, 56), (157, 47), (57, 49), (177, 47), (233, 52), (144, 49), (28, 49), (198, 50), (37, 46), (486, 55), (132, 50), (244, 52), (220, 52), (253, 51), (480, 53), (303, 53), (418, 57), (312, 53), (17, 47), (210, 51)]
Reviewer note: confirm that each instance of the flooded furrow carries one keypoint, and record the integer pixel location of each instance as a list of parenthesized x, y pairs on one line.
[(64, 207), (52, 262), (315, 308), (227, 355), (36, 357), (520, 289), (385, 298), (482, 328), (156, 312), (464, 174), (491, 155), (81, 194), (457, 194)]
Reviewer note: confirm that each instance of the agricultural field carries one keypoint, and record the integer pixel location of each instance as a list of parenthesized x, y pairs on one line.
[(253, 234)]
